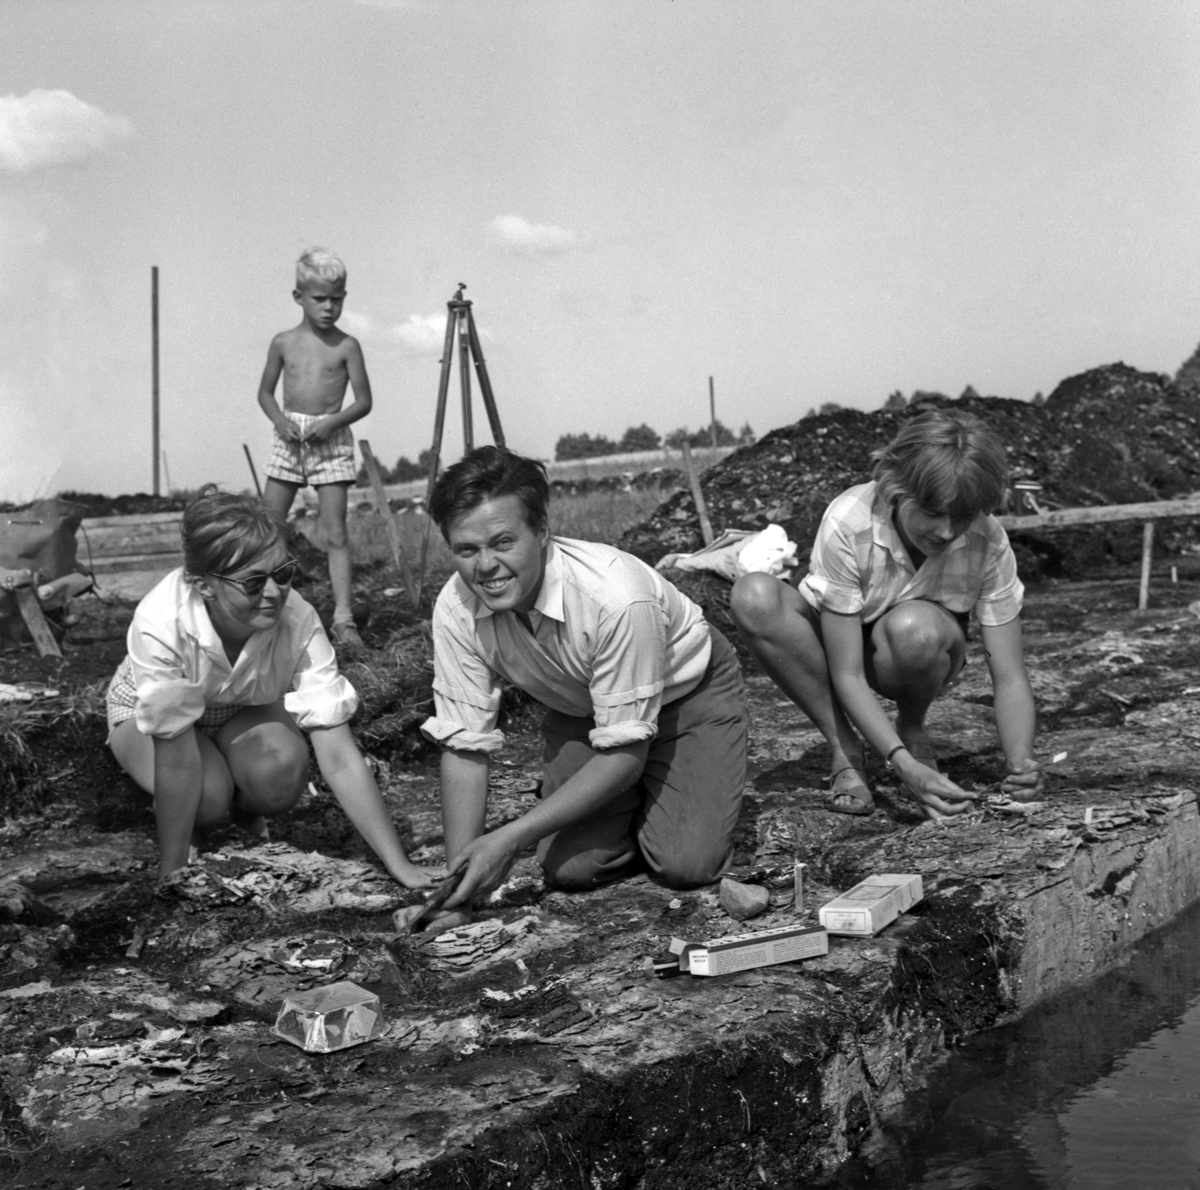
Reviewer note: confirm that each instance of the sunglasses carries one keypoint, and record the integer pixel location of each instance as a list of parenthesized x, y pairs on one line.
[(253, 585)]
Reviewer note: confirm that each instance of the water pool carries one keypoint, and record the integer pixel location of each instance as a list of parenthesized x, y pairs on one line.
[(1098, 1089)]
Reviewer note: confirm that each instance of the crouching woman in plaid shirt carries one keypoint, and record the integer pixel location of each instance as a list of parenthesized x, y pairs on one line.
[(898, 566), (227, 669)]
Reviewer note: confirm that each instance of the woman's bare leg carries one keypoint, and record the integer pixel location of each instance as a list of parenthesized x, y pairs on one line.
[(135, 754), (267, 756), (775, 622), (918, 647)]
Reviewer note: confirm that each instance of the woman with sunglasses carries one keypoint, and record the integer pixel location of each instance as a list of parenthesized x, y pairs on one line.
[(227, 668)]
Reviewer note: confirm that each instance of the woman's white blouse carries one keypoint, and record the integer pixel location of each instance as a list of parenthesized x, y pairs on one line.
[(179, 666)]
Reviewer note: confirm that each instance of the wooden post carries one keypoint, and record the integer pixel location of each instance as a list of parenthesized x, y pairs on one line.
[(706, 530), (1147, 552), (253, 473), (389, 521), (21, 584), (31, 613), (712, 413), (154, 371)]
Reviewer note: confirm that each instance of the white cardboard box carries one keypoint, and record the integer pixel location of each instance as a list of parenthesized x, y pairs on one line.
[(871, 904), (740, 952)]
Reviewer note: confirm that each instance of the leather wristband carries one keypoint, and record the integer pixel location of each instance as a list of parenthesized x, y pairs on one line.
[(887, 760)]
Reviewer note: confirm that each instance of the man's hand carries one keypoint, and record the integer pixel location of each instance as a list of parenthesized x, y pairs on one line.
[(487, 860), (289, 430), (1025, 781), (444, 919)]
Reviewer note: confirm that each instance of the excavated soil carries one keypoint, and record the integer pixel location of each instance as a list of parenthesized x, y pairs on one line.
[(1112, 435), (533, 1049)]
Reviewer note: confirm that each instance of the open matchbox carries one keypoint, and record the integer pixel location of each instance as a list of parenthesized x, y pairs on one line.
[(871, 904), (741, 952)]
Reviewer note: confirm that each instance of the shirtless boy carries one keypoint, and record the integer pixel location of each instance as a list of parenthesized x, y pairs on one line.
[(313, 443)]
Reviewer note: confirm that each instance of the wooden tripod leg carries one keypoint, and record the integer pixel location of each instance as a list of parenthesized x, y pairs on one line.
[(464, 377), (485, 385), (35, 621), (439, 424)]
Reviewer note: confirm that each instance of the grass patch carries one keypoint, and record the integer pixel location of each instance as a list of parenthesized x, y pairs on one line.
[(24, 783), (591, 516)]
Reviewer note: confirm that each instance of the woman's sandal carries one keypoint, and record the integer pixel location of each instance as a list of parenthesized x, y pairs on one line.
[(859, 801), (344, 631)]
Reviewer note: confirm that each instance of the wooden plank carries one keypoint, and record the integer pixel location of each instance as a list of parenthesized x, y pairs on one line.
[(140, 518), (125, 562), (115, 545), (706, 529), (31, 613), (1103, 514), (389, 521)]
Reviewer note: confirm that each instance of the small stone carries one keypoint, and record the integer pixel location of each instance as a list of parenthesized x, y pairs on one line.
[(743, 901)]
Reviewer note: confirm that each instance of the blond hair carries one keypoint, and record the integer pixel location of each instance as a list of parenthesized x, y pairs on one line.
[(319, 262), (946, 459)]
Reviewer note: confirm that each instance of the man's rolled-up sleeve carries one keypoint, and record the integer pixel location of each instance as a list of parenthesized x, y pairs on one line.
[(627, 678), (466, 693)]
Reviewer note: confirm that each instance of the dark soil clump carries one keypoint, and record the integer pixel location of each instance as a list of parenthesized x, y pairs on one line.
[(1113, 435)]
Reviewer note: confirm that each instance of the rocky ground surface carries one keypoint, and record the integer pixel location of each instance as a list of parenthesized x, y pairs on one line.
[(532, 1048)]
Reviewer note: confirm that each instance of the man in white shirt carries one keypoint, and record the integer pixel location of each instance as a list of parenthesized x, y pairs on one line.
[(646, 723)]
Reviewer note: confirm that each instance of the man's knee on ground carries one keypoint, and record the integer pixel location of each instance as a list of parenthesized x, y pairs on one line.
[(691, 875), (754, 601), (698, 866), (573, 871)]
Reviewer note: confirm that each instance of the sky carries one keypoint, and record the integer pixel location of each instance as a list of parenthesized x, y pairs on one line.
[(809, 201)]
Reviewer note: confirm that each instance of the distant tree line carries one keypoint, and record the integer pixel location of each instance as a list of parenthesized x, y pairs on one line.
[(404, 470), (589, 446)]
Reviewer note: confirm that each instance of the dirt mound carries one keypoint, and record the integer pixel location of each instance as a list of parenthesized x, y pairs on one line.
[(91, 504), (1112, 435)]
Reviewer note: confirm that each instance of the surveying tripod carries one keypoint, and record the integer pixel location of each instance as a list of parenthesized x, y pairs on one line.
[(461, 319)]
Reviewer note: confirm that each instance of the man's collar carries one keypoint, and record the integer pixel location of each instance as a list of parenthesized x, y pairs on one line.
[(550, 598)]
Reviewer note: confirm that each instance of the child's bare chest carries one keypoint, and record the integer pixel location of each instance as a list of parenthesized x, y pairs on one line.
[(314, 381)]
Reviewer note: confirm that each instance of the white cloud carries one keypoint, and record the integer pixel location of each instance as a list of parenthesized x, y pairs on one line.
[(422, 334), (523, 238), (418, 334), (48, 128), (361, 326)]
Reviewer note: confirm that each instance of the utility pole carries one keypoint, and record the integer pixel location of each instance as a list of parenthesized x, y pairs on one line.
[(712, 412), (154, 370)]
